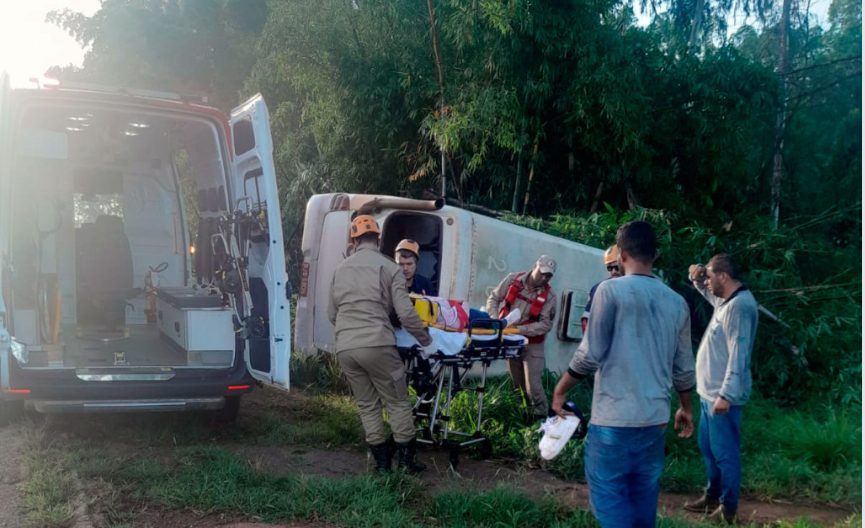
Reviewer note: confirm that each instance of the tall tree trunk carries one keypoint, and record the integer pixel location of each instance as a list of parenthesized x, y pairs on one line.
[(517, 180), (441, 81), (631, 196), (597, 199), (696, 25), (531, 174), (781, 118)]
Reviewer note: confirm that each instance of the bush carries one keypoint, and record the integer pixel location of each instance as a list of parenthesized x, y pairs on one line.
[(796, 273)]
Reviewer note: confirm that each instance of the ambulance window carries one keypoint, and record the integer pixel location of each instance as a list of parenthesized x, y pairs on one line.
[(252, 182), (244, 137), (426, 230)]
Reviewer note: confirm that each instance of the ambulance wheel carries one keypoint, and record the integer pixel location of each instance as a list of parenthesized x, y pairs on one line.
[(228, 414)]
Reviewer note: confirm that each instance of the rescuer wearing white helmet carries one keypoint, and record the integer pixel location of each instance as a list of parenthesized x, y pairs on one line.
[(367, 287)]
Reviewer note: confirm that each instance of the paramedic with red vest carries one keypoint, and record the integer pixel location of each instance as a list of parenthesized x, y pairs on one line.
[(531, 294)]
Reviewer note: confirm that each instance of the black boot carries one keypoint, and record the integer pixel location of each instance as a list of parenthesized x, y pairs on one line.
[(382, 453), (405, 460)]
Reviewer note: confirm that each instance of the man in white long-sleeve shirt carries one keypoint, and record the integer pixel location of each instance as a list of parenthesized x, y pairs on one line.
[(638, 346), (723, 382)]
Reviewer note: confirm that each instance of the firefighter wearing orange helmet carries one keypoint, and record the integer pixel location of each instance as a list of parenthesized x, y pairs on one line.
[(367, 287), (611, 261)]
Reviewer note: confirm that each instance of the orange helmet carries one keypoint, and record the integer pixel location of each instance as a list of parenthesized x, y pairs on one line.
[(408, 245), (363, 224), (611, 255)]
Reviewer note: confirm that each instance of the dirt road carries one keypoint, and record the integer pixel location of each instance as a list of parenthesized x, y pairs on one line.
[(11, 475)]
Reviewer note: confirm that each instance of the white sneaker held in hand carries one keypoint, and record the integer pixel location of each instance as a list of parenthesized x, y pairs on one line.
[(557, 431)]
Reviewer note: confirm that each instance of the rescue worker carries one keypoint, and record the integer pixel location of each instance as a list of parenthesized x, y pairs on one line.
[(407, 254), (531, 294), (611, 261), (367, 287)]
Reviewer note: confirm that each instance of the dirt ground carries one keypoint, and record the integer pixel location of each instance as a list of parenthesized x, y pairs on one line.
[(487, 474), (283, 460), (11, 475)]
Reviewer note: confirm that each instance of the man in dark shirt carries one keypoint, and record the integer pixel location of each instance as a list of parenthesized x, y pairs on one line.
[(611, 261), (407, 255)]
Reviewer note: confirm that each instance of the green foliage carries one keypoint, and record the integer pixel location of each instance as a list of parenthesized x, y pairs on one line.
[(321, 420), (777, 455), (612, 121), (187, 46), (318, 372), (810, 283), (830, 443)]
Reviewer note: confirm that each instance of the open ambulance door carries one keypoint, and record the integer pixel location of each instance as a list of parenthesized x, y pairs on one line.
[(266, 324), (5, 188)]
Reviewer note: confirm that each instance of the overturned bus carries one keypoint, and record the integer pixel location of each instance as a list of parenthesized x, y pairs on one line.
[(465, 254)]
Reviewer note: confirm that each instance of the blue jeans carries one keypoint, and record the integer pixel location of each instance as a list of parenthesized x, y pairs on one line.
[(623, 468), (719, 442)]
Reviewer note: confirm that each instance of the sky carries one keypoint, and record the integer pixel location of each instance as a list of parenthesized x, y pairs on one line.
[(819, 9), (29, 45)]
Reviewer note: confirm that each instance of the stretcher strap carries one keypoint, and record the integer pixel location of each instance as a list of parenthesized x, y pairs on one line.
[(477, 331)]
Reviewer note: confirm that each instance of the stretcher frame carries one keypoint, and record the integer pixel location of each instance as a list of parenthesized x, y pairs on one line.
[(438, 379)]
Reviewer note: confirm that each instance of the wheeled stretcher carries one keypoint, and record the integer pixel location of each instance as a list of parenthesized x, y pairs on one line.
[(437, 374)]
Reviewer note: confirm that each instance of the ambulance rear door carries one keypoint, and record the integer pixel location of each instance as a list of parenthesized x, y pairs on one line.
[(259, 238)]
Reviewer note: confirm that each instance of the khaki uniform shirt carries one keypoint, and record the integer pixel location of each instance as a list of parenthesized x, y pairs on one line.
[(366, 287), (526, 327)]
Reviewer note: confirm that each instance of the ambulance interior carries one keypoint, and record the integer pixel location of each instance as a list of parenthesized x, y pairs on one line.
[(120, 254)]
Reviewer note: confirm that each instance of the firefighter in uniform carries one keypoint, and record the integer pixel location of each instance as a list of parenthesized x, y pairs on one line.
[(532, 295), (367, 287)]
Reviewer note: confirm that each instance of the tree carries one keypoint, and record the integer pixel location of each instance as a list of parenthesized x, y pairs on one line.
[(188, 46)]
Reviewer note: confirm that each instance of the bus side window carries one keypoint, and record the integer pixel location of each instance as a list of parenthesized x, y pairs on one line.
[(571, 307)]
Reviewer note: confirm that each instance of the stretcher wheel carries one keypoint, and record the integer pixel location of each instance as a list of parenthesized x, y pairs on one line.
[(485, 449), (454, 457), (426, 434)]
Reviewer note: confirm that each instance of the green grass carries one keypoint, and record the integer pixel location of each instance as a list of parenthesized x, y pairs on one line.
[(48, 496), (322, 420), (811, 452), (211, 480), (499, 507)]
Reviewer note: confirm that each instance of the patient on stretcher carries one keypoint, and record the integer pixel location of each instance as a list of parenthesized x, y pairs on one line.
[(453, 315)]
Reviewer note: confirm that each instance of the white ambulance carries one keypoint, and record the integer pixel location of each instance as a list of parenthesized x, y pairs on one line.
[(141, 252)]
